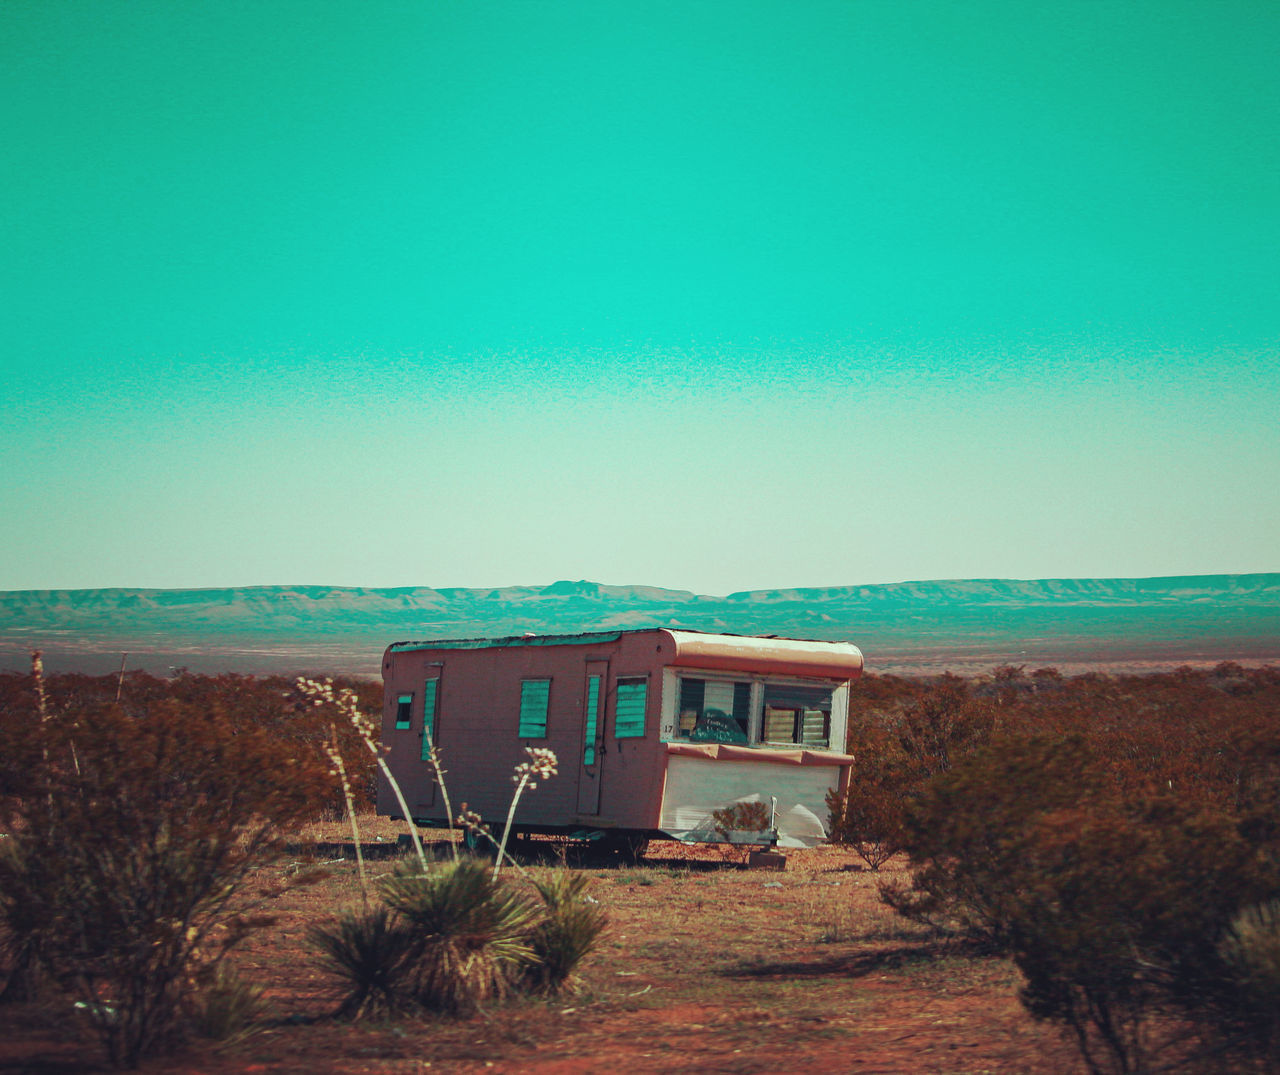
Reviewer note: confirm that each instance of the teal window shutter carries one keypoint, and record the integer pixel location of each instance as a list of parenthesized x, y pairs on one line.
[(404, 711), (628, 720), (428, 717), (593, 711), (534, 694)]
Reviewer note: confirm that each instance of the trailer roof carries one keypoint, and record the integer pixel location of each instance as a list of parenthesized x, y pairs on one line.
[(705, 649), (513, 640)]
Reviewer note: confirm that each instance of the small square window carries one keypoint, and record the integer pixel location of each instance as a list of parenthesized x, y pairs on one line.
[(404, 712)]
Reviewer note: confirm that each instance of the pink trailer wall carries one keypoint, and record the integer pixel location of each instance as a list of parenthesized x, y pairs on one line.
[(477, 723)]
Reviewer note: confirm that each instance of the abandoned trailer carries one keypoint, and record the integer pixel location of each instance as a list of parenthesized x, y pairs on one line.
[(659, 732)]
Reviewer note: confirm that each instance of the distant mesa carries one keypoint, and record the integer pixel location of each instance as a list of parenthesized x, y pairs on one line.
[(572, 589), (927, 623)]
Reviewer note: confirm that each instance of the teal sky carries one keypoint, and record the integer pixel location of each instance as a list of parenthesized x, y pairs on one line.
[(716, 296)]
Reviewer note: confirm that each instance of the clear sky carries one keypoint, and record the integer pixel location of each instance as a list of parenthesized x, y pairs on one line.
[(709, 295)]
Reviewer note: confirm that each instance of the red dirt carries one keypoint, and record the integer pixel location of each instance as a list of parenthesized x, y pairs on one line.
[(706, 966)]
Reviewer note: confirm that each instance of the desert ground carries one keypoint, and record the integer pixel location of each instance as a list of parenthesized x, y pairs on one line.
[(706, 965)]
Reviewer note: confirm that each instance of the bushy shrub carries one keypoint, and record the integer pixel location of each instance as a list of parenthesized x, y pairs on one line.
[(897, 749), (1112, 897), (753, 817), (868, 814), (970, 832), (1116, 919), (270, 704), (128, 863)]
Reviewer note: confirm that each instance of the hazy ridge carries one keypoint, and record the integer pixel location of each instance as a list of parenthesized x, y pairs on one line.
[(963, 621)]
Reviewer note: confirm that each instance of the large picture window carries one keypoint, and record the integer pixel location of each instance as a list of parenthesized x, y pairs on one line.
[(714, 710)]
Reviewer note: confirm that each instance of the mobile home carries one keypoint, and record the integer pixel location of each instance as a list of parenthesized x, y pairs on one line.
[(659, 732)]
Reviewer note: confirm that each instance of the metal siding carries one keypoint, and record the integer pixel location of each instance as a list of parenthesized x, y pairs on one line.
[(696, 788)]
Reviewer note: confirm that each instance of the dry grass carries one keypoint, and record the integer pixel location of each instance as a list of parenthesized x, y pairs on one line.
[(705, 965)]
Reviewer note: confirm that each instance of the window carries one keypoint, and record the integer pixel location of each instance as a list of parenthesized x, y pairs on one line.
[(715, 711), (796, 715), (753, 712), (593, 711), (534, 697), (429, 692), (404, 711), (628, 720)]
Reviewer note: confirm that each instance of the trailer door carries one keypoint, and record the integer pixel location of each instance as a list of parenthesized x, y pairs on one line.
[(426, 784), (590, 757)]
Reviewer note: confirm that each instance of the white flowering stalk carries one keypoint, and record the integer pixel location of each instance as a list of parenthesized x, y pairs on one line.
[(433, 756), (540, 766), (470, 821), (37, 673), (338, 769), (345, 702)]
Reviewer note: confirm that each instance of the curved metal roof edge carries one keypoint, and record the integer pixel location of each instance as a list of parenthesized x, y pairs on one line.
[(586, 638)]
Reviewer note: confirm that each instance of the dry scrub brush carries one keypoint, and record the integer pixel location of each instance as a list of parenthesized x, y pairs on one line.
[(1117, 836), (126, 876)]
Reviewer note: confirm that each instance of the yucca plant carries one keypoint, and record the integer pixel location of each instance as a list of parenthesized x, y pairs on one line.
[(567, 932), (1250, 952), (370, 950), (470, 934), (227, 1009), (1251, 949)]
